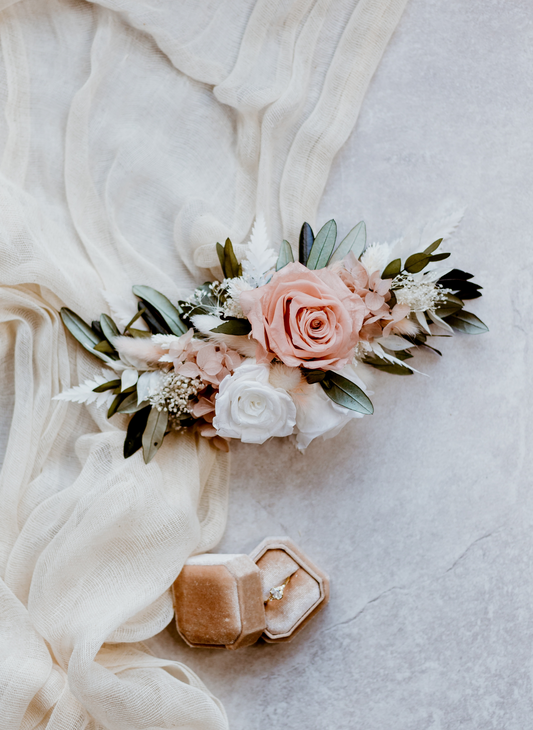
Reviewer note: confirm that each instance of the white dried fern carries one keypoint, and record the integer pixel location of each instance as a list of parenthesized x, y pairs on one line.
[(84, 393), (259, 257)]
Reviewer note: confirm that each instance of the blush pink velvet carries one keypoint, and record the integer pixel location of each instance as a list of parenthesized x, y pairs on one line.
[(305, 317)]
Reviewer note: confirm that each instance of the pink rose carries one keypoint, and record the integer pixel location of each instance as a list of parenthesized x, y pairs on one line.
[(304, 317)]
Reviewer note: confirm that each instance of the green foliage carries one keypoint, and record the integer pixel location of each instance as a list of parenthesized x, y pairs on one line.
[(355, 241), (154, 300), (306, 243), (234, 326), (136, 426), (154, 433), (109, 328), (392, 270), (228, 261), (85, 335), (285, 255), (418, 261), (433, 247), (130, 405), (467, 322), (345, 393), (387, 367), (460, 283), (323, 246), (110, 385)]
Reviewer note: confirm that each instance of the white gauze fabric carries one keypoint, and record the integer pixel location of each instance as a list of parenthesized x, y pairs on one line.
[(134, 135)]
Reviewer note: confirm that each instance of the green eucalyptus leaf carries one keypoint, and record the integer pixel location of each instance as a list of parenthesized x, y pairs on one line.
[(467, 322), (154, 433), (163, 306), (136, 426), (433, 247), (110, 385), (234, 326), (355, 241), (306, 243), (392, 270), (345, 393), (285, 255), (323, 246)]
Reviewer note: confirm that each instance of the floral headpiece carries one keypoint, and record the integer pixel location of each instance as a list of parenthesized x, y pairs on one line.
[(277, 347)]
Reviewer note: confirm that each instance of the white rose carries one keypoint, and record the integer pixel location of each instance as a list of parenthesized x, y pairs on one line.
[(249, 408), (317, 415)]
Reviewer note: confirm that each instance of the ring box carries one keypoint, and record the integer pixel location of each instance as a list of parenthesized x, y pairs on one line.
[(222, 601), (306, 593)]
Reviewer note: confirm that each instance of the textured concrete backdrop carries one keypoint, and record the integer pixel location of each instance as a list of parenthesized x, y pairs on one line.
[(422, 513)]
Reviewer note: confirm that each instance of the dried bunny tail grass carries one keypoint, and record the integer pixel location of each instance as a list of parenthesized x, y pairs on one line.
[(405, 327), (283, 376), (242, 344), (139, 348)]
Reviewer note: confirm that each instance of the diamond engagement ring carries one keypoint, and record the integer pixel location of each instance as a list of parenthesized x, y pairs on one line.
[(276, 594)]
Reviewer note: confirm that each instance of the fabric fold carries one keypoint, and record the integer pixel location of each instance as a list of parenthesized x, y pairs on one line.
[(134, 135)]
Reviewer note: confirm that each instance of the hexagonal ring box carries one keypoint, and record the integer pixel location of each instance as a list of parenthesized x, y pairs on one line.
[(233, 600)]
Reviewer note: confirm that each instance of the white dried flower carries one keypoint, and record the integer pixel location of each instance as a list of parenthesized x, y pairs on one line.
[(376, 257), (420, 294)]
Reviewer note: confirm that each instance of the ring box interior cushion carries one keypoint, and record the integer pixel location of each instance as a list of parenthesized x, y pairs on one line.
[(223, 600)]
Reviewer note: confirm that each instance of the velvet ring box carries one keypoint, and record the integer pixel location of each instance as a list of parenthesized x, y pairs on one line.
[(226, 600)]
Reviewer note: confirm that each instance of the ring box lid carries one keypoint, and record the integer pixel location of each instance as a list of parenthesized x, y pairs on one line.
[(305, 593)]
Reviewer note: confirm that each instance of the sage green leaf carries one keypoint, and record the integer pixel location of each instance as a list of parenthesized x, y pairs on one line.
[(285, 255), (392, 269), (467, 322), (355, 241), (433, 247), (85, 335), (233, 327), (306, 243), (162, 305), (154, 433), (130, 405), (136, 426), (345, 393), (109, 328), (110, 385), (323, 246)]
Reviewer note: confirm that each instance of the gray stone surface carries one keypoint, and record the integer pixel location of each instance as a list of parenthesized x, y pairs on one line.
[(422, 513)]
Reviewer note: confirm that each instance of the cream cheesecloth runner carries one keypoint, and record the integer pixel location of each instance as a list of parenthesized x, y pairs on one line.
[(134, 135)]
